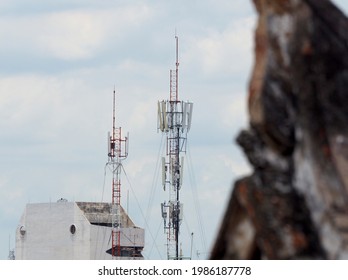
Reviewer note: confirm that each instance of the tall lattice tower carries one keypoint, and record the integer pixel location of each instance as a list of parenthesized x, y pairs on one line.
[(174, 119), (117, 152)]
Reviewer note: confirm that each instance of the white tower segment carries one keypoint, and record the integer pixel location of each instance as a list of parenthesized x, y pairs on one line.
[(174, 119)]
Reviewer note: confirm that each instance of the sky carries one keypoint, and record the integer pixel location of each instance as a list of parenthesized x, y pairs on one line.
[(60, 62)]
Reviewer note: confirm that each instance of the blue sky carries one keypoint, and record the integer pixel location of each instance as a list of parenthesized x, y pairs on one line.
[(60, 63)]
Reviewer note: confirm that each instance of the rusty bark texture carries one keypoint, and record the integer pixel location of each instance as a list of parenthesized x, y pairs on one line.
[(294, 205)]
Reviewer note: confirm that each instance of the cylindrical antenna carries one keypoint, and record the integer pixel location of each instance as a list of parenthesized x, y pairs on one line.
[(177, 51), (177, 67), (114, 116)]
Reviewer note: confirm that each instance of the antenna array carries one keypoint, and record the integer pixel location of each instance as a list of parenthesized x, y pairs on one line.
[(174, 119)]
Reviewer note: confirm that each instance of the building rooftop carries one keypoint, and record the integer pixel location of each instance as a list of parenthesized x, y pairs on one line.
[(98, 213)]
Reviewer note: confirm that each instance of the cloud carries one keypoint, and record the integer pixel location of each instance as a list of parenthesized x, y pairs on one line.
[(69, 35), (212, 54), (20, 108)]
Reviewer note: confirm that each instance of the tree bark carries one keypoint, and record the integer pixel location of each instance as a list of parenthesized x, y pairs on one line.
[(294, 205)]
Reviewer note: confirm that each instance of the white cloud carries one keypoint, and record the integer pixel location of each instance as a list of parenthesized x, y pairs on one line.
[(22, 99), (71, 34), (222, 52)]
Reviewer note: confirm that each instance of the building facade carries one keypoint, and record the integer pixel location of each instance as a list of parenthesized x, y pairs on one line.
[(74, 231)]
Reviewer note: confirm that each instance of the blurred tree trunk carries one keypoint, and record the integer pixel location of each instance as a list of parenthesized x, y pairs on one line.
[(295, 203)]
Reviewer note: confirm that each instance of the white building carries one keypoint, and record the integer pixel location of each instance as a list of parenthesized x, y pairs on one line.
[(74, 231)]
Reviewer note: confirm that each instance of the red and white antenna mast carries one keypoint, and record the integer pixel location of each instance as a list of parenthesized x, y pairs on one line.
[(117, 152), (174, 119)]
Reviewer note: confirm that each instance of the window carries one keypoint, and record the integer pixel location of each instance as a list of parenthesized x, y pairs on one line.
[(72, 229), (22, 230)]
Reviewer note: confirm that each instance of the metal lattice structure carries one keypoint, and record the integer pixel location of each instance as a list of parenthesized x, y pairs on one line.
[(174, 119), (117, 152)]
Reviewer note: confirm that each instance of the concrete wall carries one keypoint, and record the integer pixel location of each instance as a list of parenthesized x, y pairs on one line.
[(100, 242), (47, 232)]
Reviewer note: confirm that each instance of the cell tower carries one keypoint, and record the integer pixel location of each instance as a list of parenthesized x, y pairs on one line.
[(174, 119), (117, 152)]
